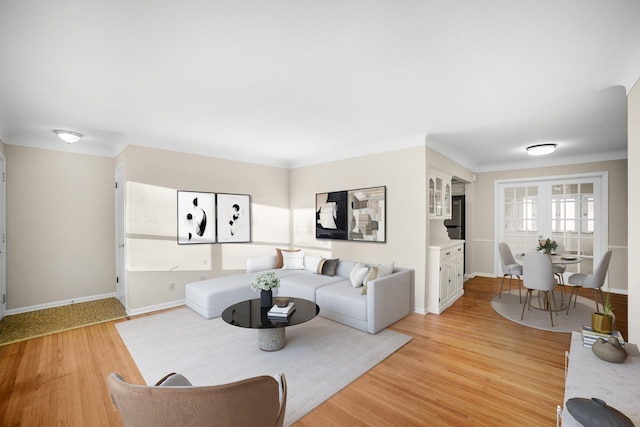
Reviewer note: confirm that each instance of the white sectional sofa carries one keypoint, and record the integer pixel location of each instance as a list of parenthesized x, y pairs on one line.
[(386, 299)]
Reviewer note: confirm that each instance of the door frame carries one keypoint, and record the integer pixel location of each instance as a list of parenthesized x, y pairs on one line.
[(121, 271), (601, 241), (3, 235)]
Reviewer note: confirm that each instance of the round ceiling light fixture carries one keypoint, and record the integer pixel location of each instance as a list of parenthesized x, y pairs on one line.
[(68, 136), (541, 149)]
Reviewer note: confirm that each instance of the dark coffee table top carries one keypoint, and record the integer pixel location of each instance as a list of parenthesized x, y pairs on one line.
[(249, 314)]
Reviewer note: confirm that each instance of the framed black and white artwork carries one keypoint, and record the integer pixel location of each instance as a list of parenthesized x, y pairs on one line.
[(196, 217), (331, 215), (367, 214), (233, 218)]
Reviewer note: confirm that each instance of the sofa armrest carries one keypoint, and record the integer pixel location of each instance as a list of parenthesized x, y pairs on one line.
[(261, 263), (389, 299)]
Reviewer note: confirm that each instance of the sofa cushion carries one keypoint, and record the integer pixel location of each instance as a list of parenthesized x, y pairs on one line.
[(345, 267), (344, 299), (210, 297), (304, 285)]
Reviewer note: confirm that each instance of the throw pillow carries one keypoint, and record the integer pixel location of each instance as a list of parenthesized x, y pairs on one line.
[(373, 274), (358, 273), (385, 269), (279, 260), (312, 263), (330, 267), (293, 260)]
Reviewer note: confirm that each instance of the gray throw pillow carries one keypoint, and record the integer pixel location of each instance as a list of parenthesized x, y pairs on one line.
[(330, 267)]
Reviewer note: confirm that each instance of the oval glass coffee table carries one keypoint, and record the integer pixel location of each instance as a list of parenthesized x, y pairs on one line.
[(271, 336)]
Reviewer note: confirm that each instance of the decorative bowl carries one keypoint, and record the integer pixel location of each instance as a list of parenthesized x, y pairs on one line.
[(282, 301)]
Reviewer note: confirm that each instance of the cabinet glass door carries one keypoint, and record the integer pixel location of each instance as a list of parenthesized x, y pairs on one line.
[(432, 191)]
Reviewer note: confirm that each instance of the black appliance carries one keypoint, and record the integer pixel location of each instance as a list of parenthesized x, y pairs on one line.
[(455, 225)]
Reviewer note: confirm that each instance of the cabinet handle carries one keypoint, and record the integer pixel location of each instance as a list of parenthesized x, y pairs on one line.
[(448, 253)]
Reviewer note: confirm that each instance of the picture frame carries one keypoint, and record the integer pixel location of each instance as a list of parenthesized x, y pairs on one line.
[(331, 215), (233, 214), (196, 217), (367, 214)]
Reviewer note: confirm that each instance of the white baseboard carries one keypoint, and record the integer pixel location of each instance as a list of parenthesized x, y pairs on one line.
[(157, 307), (58, 303), (420, 310)]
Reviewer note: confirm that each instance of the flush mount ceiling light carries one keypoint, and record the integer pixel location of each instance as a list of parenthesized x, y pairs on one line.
[(541, 149), (68, 136)]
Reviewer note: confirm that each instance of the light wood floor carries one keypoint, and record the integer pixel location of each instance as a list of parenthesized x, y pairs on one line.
[(466, 367)]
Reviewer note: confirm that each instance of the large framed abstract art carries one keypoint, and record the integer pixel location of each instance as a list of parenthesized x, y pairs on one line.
[(234, 218), (367, 214), (196, 217), (331, 215)]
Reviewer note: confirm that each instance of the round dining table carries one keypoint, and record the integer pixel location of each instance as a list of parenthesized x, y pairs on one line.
[(564, 259)]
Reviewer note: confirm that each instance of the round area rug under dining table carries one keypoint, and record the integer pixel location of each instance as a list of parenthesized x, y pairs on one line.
[(509, 307)]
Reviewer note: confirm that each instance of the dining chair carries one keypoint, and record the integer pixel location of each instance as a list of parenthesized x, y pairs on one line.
[(510, 267), (560, 269), (538, 276), (593, 281)]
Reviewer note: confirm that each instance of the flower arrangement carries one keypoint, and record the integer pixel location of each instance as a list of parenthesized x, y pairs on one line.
[(546, 245), (265, 281)]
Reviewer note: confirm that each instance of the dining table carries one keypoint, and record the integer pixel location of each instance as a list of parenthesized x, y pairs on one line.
[(564, 259)]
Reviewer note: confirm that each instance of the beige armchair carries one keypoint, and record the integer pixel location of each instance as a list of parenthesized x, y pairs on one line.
[(173, 401)]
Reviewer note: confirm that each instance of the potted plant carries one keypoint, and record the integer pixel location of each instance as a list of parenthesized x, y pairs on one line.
[(603, 321), (265, 282)]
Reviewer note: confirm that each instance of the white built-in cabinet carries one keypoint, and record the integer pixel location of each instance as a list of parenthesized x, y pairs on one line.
[(439, 195), (446, 274)]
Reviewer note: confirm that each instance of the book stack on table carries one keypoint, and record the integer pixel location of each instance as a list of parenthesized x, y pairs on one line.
[(589, 336), (281, 312)]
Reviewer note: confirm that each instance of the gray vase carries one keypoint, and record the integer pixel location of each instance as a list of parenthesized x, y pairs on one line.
[(611, 350)]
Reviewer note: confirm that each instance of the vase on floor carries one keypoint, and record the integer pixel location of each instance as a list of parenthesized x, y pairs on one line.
[(266, 298)]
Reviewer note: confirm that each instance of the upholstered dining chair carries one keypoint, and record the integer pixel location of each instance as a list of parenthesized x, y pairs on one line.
[(510, 267), (538, 276), (173, 401), (560, 269), (593, 281)]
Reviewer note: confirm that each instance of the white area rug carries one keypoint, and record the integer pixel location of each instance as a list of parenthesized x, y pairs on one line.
[(319, 359), (508, 306)]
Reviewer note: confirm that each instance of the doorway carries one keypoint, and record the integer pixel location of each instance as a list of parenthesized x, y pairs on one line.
[(571, 209)]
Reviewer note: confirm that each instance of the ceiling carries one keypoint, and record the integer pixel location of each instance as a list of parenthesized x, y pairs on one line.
[(291, 83)]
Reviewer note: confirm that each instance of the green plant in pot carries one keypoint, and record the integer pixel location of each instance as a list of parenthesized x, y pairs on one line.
[(603, 321)]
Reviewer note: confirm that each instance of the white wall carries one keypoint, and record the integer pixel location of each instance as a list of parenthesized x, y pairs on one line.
[(403, 173), (60, 216), (634, 206), (154, 259)]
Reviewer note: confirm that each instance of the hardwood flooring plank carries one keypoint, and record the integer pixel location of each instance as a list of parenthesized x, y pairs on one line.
[(465, 367)]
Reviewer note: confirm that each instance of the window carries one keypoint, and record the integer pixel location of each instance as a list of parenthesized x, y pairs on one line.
[(571, 209)]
